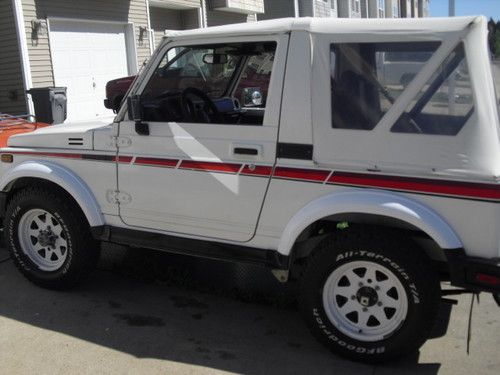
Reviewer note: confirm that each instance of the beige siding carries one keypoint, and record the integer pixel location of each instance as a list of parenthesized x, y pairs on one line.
[(323, 8), (177, 3), (191, 19), (164, 19), (12, 98), (101, 10), (277, 9), (306, 8), (244, 6), (216, 18)]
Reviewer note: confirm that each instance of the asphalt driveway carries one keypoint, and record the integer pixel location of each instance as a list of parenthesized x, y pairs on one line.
[(150, 313)]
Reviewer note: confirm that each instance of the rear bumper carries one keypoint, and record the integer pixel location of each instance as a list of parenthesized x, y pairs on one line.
[(476, 274)]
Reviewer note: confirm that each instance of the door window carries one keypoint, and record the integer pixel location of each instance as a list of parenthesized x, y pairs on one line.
[(223, 84)]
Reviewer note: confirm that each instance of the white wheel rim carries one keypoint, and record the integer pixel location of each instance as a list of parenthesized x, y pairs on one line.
[(43, 239), (365, 301)]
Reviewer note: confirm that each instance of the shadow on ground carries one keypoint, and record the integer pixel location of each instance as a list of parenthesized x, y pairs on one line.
[(200, 312)]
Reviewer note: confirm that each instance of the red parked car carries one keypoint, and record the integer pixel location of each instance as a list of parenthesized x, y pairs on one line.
[(255, 77), (115, 92)]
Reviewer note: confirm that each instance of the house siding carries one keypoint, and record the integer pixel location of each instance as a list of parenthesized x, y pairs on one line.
[(306, 8), (94, 10), (191, 19), (179, 3), (165, 19), (217, 17), (277, 9), (322, 8), (245, 6), (12, 97)]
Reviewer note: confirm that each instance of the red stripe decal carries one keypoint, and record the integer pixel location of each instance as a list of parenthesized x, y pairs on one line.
[(301, 174), (123, 159), (210, 166), (464, 189), (257, 171), (49, 154), (170, 163)]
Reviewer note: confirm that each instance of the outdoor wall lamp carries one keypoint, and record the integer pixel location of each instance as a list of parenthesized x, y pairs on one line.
[(37, 28), (142, 31)]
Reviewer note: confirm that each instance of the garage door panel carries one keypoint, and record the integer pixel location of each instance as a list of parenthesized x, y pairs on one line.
[(85, 56)]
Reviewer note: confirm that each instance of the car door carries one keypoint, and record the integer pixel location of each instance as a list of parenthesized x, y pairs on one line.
[(198, 172)]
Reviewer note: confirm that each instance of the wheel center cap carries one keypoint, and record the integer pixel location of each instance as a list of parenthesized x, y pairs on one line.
[(47, 238), (367, 296)]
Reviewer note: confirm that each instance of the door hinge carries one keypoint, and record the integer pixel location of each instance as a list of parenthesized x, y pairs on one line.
[(120, 142), (118, 197)]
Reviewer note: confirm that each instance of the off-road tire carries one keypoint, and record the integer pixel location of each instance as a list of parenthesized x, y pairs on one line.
[(400, 255), (82, 250)]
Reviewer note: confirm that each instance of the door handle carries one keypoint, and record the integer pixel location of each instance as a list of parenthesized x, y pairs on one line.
[(245, 151)]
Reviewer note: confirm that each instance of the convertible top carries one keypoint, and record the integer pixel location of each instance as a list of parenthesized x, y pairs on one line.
[(394, 26)]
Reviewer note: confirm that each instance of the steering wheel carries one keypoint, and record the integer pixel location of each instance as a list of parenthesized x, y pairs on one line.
[(190, 112)]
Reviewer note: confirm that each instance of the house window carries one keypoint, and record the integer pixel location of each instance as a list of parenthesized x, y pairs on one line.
[(444, 104), (367, 78), (333, 4)]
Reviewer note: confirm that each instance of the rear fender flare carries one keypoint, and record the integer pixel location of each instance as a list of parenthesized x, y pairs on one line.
[(372, 202)]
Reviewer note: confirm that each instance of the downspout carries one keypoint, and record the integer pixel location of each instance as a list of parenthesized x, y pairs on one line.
[(202, 14), (23, 53), (150, 32), (296, 10)]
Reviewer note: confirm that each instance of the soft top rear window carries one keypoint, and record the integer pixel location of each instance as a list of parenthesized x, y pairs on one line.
[(367, 78)]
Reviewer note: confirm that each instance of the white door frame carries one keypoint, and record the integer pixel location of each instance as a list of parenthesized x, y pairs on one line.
[(130, 42)]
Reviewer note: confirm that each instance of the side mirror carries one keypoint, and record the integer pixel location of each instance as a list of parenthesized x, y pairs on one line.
[(134, 108), (135, 114), (252, 97)]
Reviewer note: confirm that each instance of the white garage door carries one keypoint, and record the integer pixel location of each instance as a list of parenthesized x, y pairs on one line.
[(85, 56)]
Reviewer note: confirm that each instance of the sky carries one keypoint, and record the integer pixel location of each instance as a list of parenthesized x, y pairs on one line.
[(489, 8)]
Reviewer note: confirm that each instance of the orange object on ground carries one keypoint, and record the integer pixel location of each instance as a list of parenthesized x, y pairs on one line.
[(10, 125)]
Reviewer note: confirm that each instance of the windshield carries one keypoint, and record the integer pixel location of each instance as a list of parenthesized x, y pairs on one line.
[(495, 66)]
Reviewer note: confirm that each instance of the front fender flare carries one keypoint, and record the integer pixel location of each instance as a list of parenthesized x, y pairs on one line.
[(62, 177), (370, 202)]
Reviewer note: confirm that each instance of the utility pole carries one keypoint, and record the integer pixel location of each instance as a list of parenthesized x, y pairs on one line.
[(451, 8)]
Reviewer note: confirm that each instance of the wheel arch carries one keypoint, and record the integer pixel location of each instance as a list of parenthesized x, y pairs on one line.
[(45, 171), (370, 207)]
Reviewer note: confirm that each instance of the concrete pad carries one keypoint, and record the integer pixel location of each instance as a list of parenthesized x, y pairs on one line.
[(119, 325)]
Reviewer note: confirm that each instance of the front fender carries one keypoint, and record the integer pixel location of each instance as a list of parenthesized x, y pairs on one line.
[(370, 202), (66, 179)]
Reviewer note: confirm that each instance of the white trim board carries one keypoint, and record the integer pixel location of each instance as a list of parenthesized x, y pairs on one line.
[(23, 53)]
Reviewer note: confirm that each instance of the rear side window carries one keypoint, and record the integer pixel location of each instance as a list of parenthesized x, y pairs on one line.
[(444, 104), (367, 78)]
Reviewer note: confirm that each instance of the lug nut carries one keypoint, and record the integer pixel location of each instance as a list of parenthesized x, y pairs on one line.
[(379, 303), (353, 297), (365, 309), (360, 284), (377, 287)]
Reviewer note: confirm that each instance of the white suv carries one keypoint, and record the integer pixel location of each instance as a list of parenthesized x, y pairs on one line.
[(282, 143)]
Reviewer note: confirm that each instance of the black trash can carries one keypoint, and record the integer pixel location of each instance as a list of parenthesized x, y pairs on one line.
[(50, 104)]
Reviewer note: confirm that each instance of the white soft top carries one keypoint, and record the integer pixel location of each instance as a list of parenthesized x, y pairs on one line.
[(335, 25)]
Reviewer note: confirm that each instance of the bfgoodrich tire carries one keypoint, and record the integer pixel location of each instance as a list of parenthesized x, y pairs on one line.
[(370, 296), (49, 238)]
